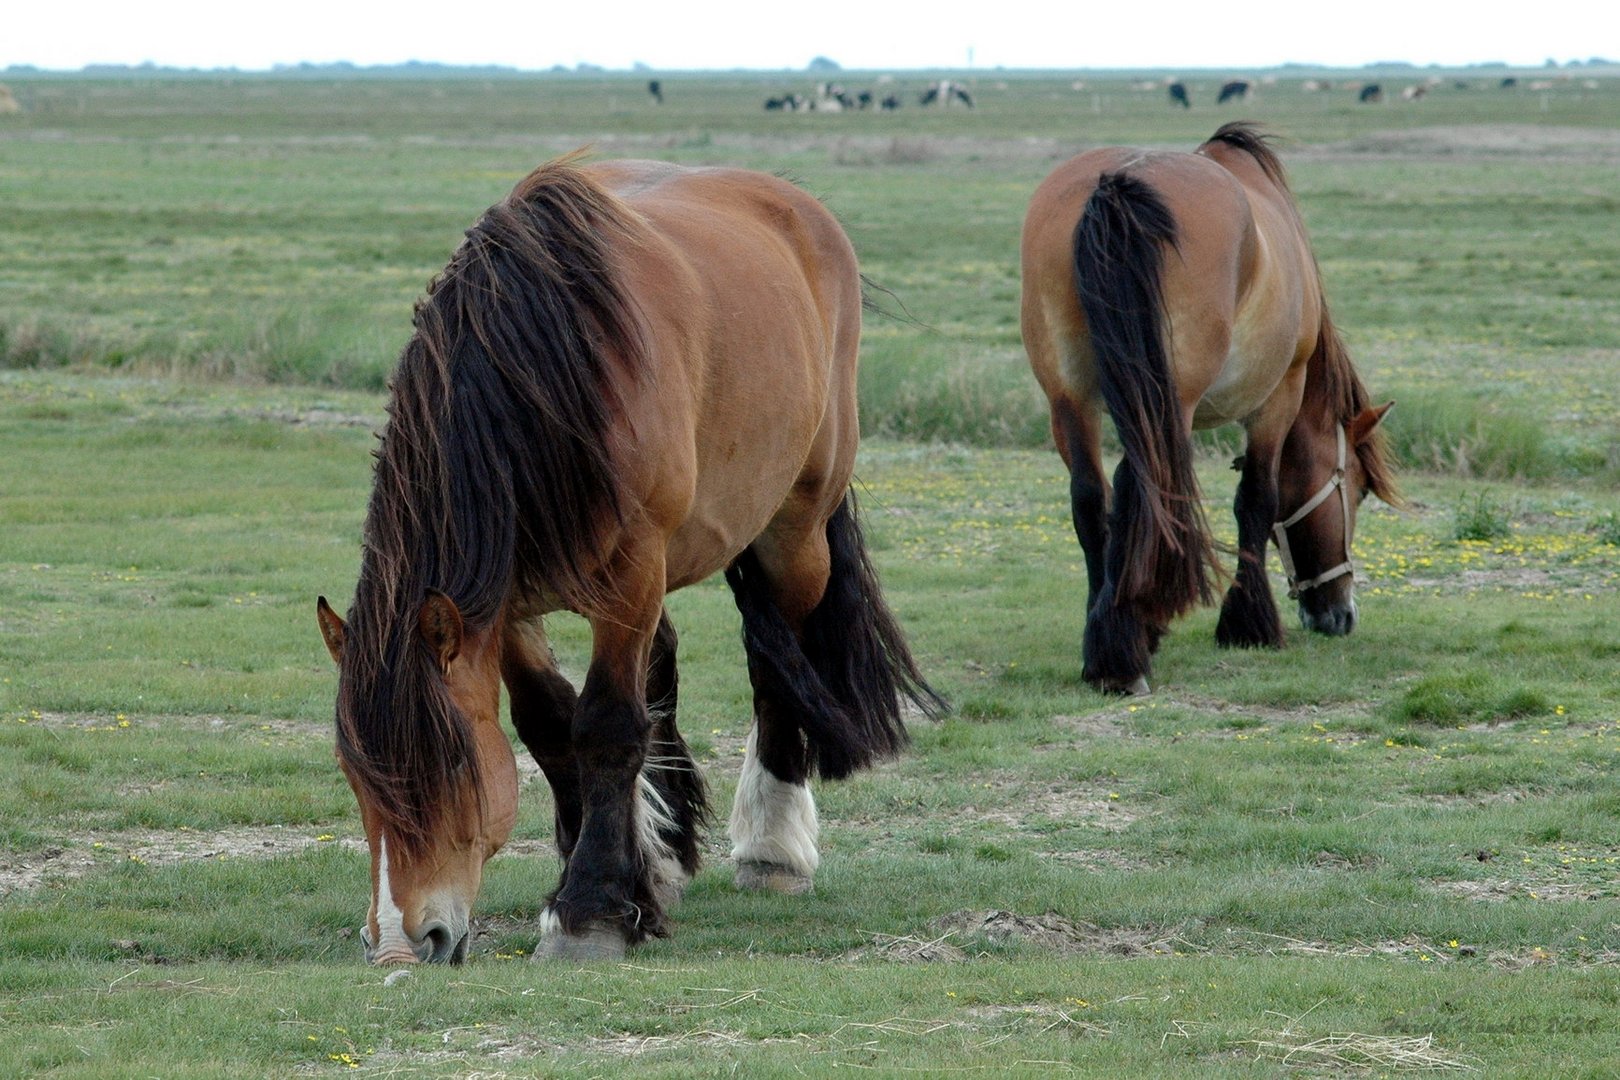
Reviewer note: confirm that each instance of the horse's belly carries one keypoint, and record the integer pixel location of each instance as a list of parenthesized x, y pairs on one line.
[(1234, 396), (1261, 352), (735, 500)]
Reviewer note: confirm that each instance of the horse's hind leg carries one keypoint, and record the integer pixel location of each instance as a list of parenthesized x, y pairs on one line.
[(674, 803), (829, 667), (774, 827), (1076, 432), (1119, 642)]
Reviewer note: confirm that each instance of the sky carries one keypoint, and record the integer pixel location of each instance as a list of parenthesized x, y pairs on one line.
[(787, 34)]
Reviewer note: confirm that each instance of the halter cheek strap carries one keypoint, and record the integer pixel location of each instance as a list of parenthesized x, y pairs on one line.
[(1280, 530)]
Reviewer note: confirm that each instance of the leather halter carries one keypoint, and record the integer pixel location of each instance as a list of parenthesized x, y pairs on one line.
[(1280, 530)]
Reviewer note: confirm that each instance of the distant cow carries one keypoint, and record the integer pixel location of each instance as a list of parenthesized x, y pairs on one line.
[(1510, 83), (656, 89), (1237, 88), (1178, 94), (831, 97), (890, 102), (787, 103), (1414, 93), (944, 91), (1371, 94)]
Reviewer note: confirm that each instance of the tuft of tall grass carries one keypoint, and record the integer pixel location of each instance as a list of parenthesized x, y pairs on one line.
[(1484, 517), (1458, 434), (41, 345), (1468, 696), (926, 389), (318, 347), (311, 348), (1607, 528)]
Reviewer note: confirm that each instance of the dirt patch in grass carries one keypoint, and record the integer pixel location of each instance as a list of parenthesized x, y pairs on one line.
[(52, 864), (1268, 715), (1496, 579), (1091, 728), (906, 949), (85, 853), (1031, 805), (1504, 797), (1050, 932), (1505, 889), (82, 856), (1564, 872), (202, 722), (1488, 140), (1422, 951), (1097, 859)]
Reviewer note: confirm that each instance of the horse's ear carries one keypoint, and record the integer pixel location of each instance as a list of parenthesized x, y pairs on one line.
[(1368, 419), (332, 629), (441, 627)]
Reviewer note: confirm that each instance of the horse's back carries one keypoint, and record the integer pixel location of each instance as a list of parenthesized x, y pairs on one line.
[(751, 294)]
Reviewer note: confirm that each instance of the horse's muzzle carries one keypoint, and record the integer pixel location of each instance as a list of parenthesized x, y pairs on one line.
[(1335, 621), (440, 943)]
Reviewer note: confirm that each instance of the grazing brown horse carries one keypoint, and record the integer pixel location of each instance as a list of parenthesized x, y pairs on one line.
[(1179, 291), (630, 376)]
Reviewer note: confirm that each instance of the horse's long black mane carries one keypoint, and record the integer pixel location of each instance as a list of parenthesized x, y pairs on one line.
[(495, 472), (1333, 390)]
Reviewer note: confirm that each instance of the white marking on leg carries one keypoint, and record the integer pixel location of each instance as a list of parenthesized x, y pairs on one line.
[(654, 818), (773, 821), (550, 923)]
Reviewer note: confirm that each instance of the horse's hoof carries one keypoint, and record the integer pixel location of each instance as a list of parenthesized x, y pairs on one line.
[(1137, 687), (598, 941), (757, 876)]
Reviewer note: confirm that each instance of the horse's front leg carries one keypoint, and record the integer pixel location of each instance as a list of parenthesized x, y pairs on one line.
[(543, 704), (609, 898), (1249, 617), (673, 794)]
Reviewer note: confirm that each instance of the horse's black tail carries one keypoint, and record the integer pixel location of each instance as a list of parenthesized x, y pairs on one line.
[(1161, 556), (843, 682)]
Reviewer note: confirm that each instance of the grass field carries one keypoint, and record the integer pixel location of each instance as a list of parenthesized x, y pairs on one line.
[(1396, 852)]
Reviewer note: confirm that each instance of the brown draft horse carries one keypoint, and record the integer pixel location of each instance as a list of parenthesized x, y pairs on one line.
[(1179, 291), (631, 375)]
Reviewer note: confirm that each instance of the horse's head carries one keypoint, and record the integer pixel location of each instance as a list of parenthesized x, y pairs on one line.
[(433, 774), (1324, 476)]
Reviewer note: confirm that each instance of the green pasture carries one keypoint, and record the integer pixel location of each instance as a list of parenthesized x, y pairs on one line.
[(1386, 854)]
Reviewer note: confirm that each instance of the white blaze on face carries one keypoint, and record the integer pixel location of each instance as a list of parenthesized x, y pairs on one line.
[(390, 919)]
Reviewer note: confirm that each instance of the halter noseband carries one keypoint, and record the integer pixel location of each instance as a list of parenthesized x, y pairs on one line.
[(1280, 530)]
